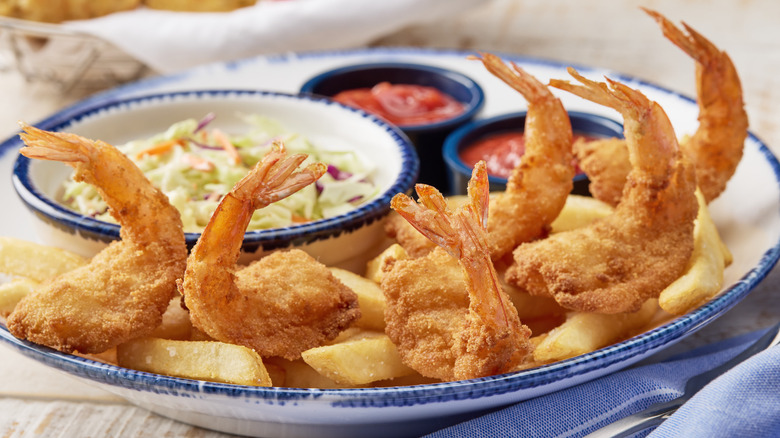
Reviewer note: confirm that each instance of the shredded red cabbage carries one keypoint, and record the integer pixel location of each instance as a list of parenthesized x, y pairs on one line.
[(208, 118), (204, 145), (338, 175)]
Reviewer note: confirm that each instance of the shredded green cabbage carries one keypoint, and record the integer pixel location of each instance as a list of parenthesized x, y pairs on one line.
[(196, 172)]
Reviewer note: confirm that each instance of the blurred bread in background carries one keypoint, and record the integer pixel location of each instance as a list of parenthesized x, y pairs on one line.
[(199, 6), (55, 11)]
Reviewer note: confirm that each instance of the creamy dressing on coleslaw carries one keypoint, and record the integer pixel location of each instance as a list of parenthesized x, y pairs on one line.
[(195, 166)]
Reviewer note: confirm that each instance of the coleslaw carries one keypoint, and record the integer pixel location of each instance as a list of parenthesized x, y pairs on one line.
[(195, 166)]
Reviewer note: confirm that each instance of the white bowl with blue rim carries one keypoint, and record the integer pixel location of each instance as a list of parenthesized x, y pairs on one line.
[(459, 173), (343, 240), (427, 137)]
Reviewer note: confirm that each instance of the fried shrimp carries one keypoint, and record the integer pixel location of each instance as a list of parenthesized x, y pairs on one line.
[(716, 147), (124, 290), (280, 305), (448, 329), (616, 263), (606, 162), (538, 187)]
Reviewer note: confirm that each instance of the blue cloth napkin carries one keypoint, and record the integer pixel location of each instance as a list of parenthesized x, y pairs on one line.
[(743, 402)]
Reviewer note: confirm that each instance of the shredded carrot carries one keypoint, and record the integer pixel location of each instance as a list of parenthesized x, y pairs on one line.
[(298, 219), (225, 143), (198, 163), (159, 148)]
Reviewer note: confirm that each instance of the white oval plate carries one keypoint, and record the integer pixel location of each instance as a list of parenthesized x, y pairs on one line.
[(747, 215)]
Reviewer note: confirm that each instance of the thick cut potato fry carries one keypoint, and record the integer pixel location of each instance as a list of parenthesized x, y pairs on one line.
[(175, 324), (371, 299), (199, 6), (408, 380), (704, 277), (531, 306), (12, 292), (578, 212), (362, 359), (584, 332), (199, 360), (36, 262), (376, 267), (299, 374)]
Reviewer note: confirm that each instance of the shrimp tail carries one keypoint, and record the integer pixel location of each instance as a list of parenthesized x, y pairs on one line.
[(53, 146), (637, 111), (275, 178), (479, 194), (428, 217), (594, 91), (694, 44), (432, 218), (519, 79), (272, 179)]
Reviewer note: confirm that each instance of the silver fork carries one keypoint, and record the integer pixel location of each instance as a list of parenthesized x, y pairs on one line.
[(656, 414)]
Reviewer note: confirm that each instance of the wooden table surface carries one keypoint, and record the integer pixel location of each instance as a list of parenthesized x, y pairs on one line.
[(36, 401)]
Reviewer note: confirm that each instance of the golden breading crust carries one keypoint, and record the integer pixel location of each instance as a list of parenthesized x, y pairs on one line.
[(199, 6), (56, 11)]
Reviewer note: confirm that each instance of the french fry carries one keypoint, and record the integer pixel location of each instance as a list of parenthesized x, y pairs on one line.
[(375, 268), (584, 332), (580, 211), (348, 333), (277, 372), (199, 360), (198, 335), (371, 299), (362, 359), (531, 306), (408, 380), (175, 323), (108, 356), (704, 277), (12, 292), (299, 374), (36, 262)]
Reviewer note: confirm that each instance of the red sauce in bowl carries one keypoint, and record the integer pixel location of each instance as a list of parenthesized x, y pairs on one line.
[(501, 151), (403, 104)]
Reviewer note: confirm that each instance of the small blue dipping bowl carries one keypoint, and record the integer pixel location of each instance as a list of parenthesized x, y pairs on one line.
[(428, 138), (458, 173)]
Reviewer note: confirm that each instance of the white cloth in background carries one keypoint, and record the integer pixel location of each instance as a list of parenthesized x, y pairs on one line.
[(169, 41)]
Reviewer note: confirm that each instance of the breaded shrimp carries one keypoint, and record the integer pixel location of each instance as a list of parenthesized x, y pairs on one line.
[(538, 187), (618, 262), (716, 147), (280, 305), (124, 290), (606, 162), (445, 327)]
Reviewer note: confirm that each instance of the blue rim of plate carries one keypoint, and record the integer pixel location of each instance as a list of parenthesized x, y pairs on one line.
[(474, 103), (55, 213), (422, 394)]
